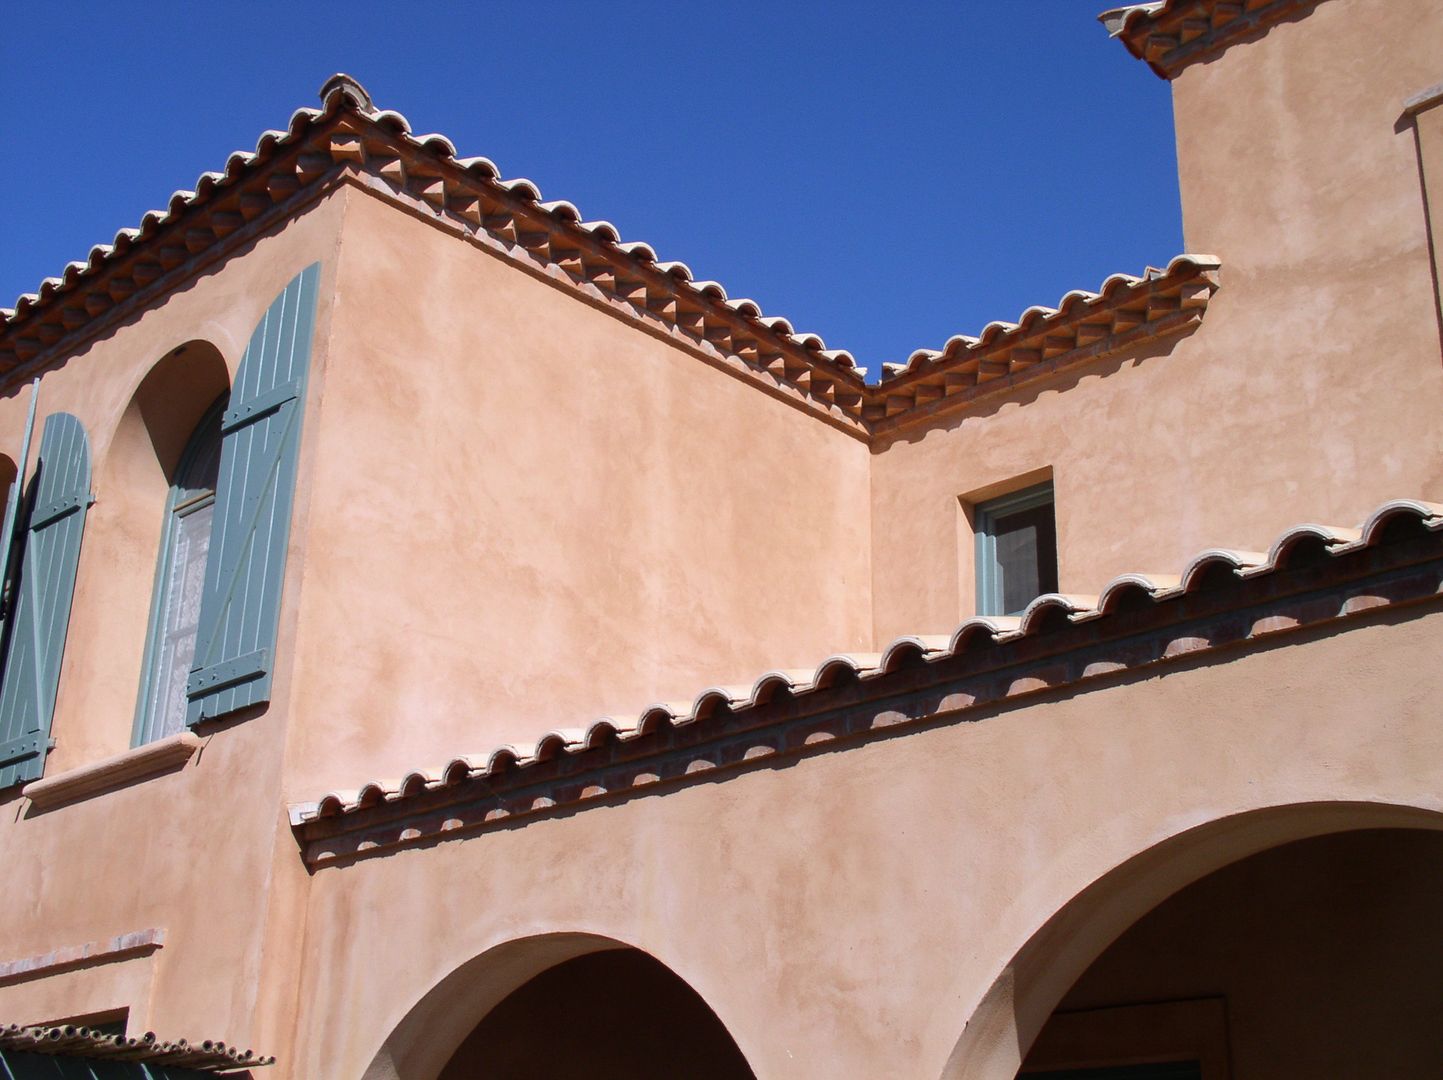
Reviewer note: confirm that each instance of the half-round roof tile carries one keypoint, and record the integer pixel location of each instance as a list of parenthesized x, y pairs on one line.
[(522, 188), (1429, 514), (436, 143), (562, 210), (638, 249)]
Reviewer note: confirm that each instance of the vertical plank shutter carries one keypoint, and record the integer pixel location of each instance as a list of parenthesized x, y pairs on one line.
[(260, 443), (35, 638)]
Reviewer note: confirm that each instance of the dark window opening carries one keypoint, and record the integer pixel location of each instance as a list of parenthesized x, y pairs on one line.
[(1016, 550)]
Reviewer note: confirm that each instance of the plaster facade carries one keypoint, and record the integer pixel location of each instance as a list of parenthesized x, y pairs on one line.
[(543, 480)]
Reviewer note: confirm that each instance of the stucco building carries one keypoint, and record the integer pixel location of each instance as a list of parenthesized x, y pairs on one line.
[(674, 702)]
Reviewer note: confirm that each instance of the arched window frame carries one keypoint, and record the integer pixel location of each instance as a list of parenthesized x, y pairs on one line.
[(181, 501)]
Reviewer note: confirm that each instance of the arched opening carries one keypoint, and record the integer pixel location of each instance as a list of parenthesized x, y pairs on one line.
[(180, 582), (560, 1006), (1316, 958), (1274, 943), (618, 1013), (136, 469)]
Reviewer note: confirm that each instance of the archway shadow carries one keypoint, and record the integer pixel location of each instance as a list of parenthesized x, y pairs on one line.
[(559, 1004), (1002, 1028)]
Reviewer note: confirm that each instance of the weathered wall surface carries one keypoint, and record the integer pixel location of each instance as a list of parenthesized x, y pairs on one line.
[(193, 852), (844, 916), (1313, 389), (528, 514)]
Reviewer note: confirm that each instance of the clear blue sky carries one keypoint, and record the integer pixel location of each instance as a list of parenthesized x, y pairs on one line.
[(883, 174)]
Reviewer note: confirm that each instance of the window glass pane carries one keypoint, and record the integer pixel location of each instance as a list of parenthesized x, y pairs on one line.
[(179, 617), (1026, 554)]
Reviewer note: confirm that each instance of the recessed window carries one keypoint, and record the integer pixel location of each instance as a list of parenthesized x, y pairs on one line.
[(180, 580), (1016, 550)]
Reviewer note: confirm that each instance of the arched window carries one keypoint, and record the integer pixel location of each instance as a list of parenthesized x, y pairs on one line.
[(179, 583)]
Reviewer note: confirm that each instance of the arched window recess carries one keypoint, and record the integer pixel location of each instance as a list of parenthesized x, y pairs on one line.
[(180, 582)]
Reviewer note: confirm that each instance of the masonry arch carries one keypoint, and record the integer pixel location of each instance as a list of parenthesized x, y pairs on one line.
[(1017, 1008), (530, 1006)]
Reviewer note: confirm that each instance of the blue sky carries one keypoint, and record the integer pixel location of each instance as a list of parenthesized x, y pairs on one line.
[(884, 175)]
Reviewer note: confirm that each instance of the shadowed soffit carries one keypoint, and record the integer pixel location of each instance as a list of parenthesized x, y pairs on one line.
[(1312, 575), (350, 141), (1172, 34), (79, 1042)]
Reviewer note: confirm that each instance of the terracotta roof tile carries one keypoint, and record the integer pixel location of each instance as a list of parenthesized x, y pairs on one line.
[(349, 139), (1171, 34), (1042, 616), (80, 1042)]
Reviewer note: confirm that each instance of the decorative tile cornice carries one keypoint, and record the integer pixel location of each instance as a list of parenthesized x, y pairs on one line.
[(1312, 576), (349, 141), (1172, 34), (1125, 313)]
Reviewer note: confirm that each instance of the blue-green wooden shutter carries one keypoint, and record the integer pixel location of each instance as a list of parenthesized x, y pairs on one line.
[(36, 634), (260, 443)]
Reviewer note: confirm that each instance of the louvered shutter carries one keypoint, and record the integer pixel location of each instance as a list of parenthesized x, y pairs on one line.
[(261, 430), (35, 638)]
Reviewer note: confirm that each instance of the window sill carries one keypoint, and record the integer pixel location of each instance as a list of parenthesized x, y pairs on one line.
[(113, 772)]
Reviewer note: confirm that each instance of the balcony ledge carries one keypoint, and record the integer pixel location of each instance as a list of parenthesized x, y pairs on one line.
[(112, 772)]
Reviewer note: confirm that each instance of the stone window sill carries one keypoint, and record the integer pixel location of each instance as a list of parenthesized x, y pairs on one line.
[(113, 772)]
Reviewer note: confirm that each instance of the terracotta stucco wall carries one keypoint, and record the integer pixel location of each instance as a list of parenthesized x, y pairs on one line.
[(1313, 389), (202, 853), (845, 915), (529, 514)]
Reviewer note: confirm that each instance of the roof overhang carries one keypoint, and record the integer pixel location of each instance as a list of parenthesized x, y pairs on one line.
[(1173, 34), (348, 141)]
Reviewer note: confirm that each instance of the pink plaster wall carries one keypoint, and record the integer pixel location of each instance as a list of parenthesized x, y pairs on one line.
[(203, 853), (845, 916), (528, 514), (1313, 389)]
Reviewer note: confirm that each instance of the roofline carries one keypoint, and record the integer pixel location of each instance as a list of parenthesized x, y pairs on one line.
[(1312, 576), (1172, 35), (348, 141)]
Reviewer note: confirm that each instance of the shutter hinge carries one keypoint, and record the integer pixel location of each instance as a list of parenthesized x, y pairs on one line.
[(248, 412), (208, 680), (27, 746), (48, 515)]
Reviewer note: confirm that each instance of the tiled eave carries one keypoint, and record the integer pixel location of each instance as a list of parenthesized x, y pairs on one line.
[(1172, 34), (349, 141), (69, 1041), (1313, 576), (1124, 314)]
